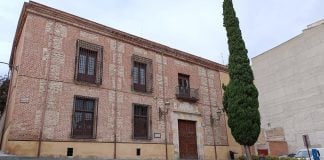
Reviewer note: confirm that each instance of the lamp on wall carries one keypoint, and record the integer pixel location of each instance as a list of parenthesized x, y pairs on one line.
[(219, 113), (11, 66), (163, 113)]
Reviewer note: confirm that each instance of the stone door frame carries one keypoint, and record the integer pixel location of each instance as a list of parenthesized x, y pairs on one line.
[(175, 116)]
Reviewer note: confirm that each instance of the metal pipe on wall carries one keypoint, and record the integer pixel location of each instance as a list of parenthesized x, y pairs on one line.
[(115, 109), (165, 115), (211, 115), (46, 95)]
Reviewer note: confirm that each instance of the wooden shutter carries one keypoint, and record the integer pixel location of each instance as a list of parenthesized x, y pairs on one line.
[(99, 65), (132, 76), (77, 55), (149, 115), (133, 129), (149, 77), (95, 118), (72, 122)]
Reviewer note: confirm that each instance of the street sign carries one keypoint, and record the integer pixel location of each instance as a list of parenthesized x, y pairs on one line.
[(306, 140), (307, 144)]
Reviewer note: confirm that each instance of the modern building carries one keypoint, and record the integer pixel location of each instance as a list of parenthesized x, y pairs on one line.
[(82, 89), (290, 80)]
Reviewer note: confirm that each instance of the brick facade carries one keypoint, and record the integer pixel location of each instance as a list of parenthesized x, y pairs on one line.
[(44, 87)]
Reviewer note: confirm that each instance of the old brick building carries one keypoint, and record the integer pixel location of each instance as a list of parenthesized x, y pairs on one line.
[(84, 89)]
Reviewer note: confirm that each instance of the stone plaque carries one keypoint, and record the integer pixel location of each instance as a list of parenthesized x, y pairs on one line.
[(157, 135), (24, 100)]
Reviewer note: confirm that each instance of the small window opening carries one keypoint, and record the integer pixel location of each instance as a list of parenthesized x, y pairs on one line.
[(69, 152), (138, 151)]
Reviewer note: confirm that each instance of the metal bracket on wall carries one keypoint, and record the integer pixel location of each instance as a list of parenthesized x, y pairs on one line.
[(162, 113), (219, 113)]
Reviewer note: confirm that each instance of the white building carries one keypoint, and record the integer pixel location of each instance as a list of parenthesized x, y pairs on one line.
[(290, 80)]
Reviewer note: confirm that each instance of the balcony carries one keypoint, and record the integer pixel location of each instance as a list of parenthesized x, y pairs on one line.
[(187, 94)]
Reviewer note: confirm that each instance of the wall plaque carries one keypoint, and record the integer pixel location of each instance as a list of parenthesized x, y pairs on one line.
[(157, 135)]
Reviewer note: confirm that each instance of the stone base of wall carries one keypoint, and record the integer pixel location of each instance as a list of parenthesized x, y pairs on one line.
[(105, 150), (22, 148), (148, 151), (222, 152)]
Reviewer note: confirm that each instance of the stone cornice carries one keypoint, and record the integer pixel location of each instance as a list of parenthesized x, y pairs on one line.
[(48, 12)]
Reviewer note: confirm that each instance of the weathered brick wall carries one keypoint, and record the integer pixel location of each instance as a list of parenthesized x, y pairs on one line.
[(26, 99), (49, 53)]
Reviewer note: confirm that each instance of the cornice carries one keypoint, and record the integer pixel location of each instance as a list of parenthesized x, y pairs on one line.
[(51, 13)]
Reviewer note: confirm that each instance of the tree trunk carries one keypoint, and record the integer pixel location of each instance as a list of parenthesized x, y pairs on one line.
[(247, 152)]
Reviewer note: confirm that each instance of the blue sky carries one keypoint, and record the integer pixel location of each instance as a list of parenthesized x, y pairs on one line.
[(188, 25)]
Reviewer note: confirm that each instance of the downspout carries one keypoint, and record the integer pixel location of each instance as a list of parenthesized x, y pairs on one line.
[(115, 107), (46, 95), (165, 108), (225, 115), (211, 116)]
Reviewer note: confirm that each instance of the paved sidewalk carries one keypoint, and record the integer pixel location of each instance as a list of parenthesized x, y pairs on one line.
[(45, 158), (4, 156)]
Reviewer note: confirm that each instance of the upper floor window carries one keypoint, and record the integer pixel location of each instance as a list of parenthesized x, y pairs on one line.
[(183, 90), (142, 76), (87, 65), (139, 76), (184, 86), (83, 117), (88, 62)]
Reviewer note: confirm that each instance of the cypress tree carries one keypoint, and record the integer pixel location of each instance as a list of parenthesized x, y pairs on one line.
[(241, 96), (4, 86)]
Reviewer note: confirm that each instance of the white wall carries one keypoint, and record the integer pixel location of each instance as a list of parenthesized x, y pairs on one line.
[(290, 80)]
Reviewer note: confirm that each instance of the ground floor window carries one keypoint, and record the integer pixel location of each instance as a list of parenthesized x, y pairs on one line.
[(141, 121), (83, 117)]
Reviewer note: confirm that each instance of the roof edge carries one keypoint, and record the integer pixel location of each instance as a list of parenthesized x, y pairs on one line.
[(309, 27), (49, 12), (20, 26)]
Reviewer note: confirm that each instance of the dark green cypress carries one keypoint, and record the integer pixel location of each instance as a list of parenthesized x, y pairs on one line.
[(241, 96), (4, 86)]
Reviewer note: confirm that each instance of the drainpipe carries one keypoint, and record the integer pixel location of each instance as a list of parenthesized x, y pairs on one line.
[(46, 96), (211, 116), (165, 115), (115, 107), (225, 115)]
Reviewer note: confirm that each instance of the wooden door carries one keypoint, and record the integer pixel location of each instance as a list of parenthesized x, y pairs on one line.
[(187, 139)]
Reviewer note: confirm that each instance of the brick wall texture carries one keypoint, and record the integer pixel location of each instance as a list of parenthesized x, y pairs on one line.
[(44, 87)]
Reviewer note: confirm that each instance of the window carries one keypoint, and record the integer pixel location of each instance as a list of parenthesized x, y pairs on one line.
[(184, 87), (142, 76), (87, 65), (83, 117), (139, 76), (88, 62), (183, 90), (141, 122)]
